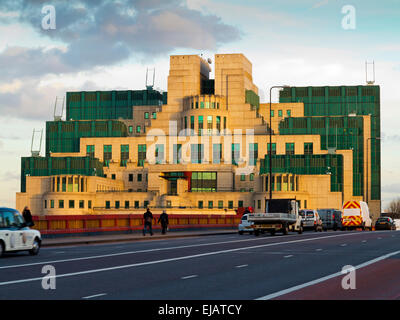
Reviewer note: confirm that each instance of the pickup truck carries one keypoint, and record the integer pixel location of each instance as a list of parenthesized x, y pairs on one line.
[(281, 215)]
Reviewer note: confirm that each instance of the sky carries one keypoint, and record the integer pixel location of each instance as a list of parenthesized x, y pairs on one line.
[(106, 45)]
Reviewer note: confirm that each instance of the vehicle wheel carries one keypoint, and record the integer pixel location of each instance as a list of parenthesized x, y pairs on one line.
[(35, 248), (1, 249), (240, 232), (251, 232), (256, 233), (300, 230), (272, 232)]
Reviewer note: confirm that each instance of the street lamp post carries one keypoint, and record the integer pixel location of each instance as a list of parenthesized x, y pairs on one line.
[(368, 165), (270, 138)]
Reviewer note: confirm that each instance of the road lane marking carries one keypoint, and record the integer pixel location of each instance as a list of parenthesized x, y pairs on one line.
[(170, 259), (318, 249), (364, 241), (138, 251), (379, 238), (190, 277), (289, 256), (242, 266), (307, 284), (343, 245), (95, 296)]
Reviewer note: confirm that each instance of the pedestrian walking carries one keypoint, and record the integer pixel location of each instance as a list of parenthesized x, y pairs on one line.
[(164, 221), (148, 220), (28, 217)]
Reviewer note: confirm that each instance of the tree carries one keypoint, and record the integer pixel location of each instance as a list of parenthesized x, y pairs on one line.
[(394, 209)]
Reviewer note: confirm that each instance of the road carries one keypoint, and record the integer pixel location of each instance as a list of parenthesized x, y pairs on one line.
[(233, 267)]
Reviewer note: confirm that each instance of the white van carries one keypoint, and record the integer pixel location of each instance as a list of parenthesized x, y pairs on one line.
[(310, 218), (15, 235), (356, 215), (245, 225)]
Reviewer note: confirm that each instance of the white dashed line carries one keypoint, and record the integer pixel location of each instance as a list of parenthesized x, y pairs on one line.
[(289, 256), (318, 250), (343, 245), (242, 266), (95, 296), (364, 241), (190, 277)]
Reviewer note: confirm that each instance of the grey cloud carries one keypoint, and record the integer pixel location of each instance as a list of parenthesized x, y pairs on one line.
[(9, 175), (105, 32), (31, 101), (392, 188), (1, 144)]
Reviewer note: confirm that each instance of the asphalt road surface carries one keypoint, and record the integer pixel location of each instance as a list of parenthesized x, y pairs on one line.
[(307, 266)]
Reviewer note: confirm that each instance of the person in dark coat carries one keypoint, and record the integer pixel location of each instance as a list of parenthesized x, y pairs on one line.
[(28, 217), (164, 221), (148, 219)]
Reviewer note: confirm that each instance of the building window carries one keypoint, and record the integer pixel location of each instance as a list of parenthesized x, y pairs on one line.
[(210, 204), (197, 153), (273, 148), (130, 129), (45, 204), (71, 204), (61, 204), (124, 154), (308, 148), (146, 115), (258, 204), (290, 148), (272, 113), (280, 113), (217, 153), (108, 205), (107, 154), (197, 104), (209, 124), (159, 153), (218, 124), (81, 204), (242, 190), (200, 125), (141, 154), (288, 112), (113, 176), (177, 153), (139, 177), (251, 176), (137, 129), (200, 204), (235, 153), (185, 123), (202, 105), (240, 204), (225, 123), (52, 204), (242, 177), (116, 204), (154, 115), (203, 182), (90, 151), (253, 153), (126, 204), (136, 204), (169, 204), (305, 204), (192, 124), (145, 203), (220, 204), (89, 204), (130, 177), (279, 183), (230, 204)]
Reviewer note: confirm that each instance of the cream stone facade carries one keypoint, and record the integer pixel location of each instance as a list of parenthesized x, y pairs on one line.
[(198, 154)]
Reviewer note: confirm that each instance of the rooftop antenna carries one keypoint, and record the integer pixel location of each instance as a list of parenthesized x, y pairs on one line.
[(36, 152), (150, 86), (370, 82), (59, 117)]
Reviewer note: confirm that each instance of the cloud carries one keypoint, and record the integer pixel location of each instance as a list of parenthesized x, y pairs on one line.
[(104, 32), (391, 188), (1, 144), (9, 175)]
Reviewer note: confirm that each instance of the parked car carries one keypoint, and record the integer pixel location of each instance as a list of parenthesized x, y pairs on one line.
[(245, 225), (385, 223), (309, 219), (15, 235), (397, 223), (331, 218)]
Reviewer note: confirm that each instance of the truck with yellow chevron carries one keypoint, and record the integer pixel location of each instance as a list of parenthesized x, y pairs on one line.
[(356, 215)]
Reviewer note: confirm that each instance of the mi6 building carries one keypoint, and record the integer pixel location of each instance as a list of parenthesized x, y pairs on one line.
[(203, 146)]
